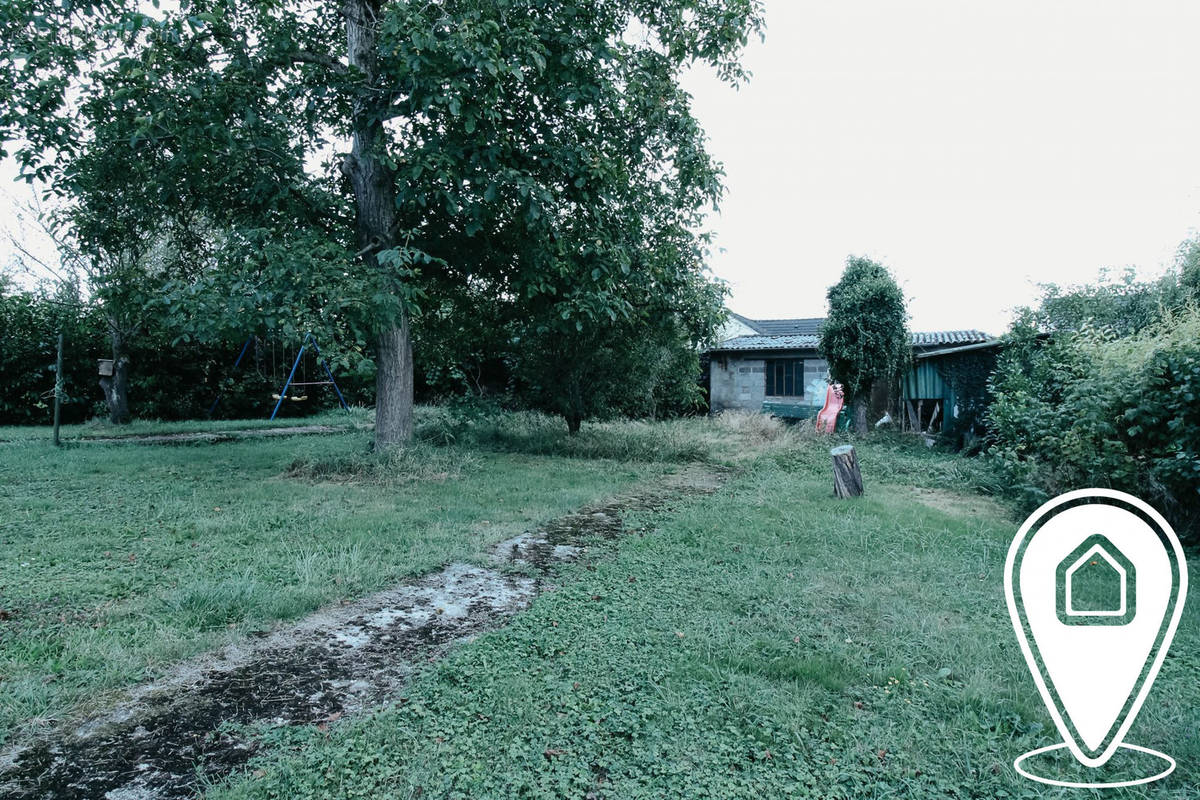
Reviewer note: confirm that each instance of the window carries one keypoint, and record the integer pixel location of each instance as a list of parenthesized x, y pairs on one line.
[(785, 377)]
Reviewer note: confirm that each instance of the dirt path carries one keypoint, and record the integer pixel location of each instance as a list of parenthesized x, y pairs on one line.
[(168, 738), (212, 436)]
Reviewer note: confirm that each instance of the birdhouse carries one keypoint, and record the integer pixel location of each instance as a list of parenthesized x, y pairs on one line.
[(106, 367), (1096, 585)]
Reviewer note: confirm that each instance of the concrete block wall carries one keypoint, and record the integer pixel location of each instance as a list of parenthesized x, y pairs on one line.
[(737, 383)]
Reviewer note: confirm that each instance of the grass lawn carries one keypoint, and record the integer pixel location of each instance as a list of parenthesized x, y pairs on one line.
[(765, 642), (117, 560), (102, 429)]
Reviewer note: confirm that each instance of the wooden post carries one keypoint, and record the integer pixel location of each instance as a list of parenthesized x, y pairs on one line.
[(58, 389), (847, 480)]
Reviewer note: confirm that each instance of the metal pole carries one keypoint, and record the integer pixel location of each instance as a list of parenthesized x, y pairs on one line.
[(58, 389), (328, 372)]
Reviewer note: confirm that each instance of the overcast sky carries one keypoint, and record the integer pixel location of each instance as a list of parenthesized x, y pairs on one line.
[(975, 148)]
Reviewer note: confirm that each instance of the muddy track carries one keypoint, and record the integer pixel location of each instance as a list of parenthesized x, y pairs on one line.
[(210, 437), (170, 738)]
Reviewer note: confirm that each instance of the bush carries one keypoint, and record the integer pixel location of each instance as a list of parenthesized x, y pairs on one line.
[(29, 326), (169, 380), (1092, 408)]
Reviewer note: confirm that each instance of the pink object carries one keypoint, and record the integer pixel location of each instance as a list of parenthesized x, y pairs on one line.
[(827, 419)]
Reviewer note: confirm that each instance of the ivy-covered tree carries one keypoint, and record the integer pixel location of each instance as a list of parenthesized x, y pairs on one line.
[(865, 338), (390, 149)]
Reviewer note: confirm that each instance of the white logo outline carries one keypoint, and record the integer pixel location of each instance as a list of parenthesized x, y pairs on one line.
[(1149, 674)]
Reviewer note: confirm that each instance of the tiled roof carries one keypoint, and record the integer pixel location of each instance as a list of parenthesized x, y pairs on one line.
[(940, 338), (784, 327), (769, 343), (809, 342)]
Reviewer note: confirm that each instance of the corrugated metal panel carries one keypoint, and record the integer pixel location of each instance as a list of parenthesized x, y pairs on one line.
[(929, 338), (810, 341), (924, 381)]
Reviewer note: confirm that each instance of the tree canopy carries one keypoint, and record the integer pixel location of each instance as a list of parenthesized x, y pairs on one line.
[(356, 163)]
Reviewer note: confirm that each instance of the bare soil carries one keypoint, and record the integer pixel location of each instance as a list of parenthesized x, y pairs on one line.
[(169, 738)]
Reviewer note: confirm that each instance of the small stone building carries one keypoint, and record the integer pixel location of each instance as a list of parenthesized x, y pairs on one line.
[(772, 365)]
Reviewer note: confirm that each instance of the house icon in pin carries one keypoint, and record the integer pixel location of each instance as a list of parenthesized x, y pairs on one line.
[(1096, 585)]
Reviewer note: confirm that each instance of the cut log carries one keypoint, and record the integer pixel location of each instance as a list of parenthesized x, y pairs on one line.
[(847, 480)]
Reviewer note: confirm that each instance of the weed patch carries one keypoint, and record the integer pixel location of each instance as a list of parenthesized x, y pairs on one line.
[(419, 462)]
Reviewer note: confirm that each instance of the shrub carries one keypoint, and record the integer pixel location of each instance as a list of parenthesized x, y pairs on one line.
[(1092, 408)]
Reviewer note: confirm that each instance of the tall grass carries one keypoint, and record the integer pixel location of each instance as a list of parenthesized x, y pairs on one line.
[(418, 462), (730, 437)]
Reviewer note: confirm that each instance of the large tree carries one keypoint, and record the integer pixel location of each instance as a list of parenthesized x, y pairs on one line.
[(501, 145), (865, 338)]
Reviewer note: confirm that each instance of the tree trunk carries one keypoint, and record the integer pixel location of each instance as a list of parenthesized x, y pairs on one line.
[(847, 480), (116, 386), (394, 387), (860, 416), (574, 423), (374, 189)]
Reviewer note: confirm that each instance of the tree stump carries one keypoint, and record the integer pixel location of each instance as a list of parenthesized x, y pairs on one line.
[(847, 480)]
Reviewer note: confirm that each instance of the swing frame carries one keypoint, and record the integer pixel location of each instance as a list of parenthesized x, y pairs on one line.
[(309, 340)]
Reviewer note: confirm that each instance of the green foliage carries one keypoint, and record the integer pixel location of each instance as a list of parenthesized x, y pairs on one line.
[(170, 380), (29, 326), (970, 374), (1120, 304), (1095, 409), (534, 155), (865, 337), (608, 369)]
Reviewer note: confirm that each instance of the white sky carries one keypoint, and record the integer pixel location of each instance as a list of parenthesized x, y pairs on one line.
[(975, 148)]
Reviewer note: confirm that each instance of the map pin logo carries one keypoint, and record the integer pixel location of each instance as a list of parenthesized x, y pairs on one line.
[(1095, 582)]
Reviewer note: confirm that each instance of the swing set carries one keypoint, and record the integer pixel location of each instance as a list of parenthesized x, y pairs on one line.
[(303, 383)]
